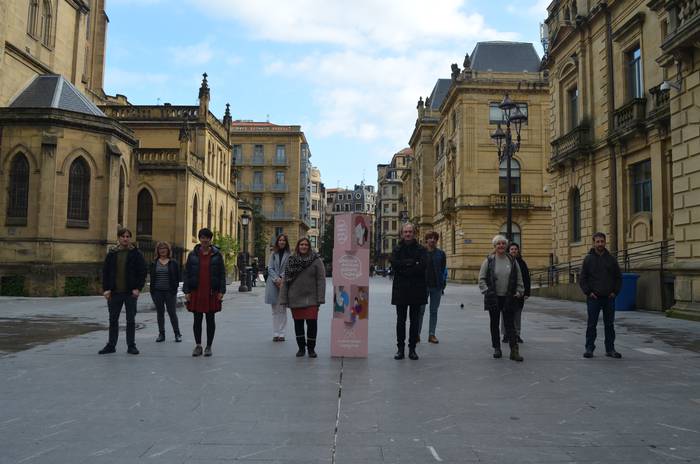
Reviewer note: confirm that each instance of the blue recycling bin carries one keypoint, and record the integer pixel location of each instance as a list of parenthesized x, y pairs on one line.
[(627, 299)]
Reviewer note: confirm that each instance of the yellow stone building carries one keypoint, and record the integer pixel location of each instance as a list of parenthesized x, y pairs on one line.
[(273, 175), (623, 145), (317, 211), (456, 185), (391, 209)]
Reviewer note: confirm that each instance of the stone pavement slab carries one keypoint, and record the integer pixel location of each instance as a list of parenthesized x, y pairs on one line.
[(254, 401)]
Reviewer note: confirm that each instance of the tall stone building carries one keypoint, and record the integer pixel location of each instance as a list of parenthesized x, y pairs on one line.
[(391, 207), (456, 184), (274, 169), (317, 213), (625, 141)]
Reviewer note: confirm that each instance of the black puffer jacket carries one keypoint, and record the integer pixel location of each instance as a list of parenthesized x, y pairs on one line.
[(135, 270), (408, 264), (600, 274), (173, 274), (217, 271)]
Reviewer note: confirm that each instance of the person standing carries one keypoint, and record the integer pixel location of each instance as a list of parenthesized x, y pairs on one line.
[(165, 278), (514, 250), (123, 277), (255, 270), (204, 286), (436, 267), (501, 282), (275, 270), (601, 281), (304, 291), (408, 290)]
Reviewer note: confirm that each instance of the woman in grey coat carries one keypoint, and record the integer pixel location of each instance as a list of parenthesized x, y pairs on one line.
[(304, 290), (275, 269)]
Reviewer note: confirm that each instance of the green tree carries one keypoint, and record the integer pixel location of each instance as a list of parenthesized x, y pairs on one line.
[(229, 248), (327, 244)]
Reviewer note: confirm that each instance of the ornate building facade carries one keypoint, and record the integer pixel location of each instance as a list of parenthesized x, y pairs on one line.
[(273, 175), (456, 184), (622, 143)]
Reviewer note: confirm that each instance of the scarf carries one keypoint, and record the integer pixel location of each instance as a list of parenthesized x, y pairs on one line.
[(297, 263)]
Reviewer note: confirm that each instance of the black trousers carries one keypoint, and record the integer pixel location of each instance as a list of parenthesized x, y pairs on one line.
[(197, 327), (165, 299), (413, 312), (308, 339), (114, 305), (508, 322)]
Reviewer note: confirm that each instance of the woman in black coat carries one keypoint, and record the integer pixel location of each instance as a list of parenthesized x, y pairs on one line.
[(409, 291), (165, 278)]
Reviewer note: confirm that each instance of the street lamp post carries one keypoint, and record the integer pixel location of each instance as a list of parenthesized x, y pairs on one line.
[(507, 149), (243, 263)]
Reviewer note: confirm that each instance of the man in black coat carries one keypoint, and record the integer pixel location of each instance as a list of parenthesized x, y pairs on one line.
[(600, 281), (123, 277), (408, 263)]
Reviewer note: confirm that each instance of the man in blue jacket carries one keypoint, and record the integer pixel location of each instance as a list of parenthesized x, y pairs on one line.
[(436, 279), (600, 281)]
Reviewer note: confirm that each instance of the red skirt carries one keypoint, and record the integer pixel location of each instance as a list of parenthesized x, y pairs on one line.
[(309, 312)]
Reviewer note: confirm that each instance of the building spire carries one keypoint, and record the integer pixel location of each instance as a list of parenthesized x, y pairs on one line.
[(203, 99)]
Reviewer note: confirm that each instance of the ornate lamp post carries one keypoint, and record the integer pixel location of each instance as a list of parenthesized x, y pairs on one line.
[(243, 262), (507, 149)]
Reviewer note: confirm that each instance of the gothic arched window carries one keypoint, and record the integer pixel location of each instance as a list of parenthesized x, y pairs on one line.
[(46, 22), (32, 17), (195, 212), (18, 198), (144, 213), (575, 215), (209, 215), (120, 206), (79, 192)]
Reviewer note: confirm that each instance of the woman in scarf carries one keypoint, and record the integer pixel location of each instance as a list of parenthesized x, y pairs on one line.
[(304, 290)]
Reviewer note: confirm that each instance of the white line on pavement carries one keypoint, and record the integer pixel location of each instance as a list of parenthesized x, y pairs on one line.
[(434, 453)]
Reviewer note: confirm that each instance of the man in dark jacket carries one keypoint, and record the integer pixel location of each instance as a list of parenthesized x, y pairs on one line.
[(409, 290), (123, 277), (600, 281), (435, 277)]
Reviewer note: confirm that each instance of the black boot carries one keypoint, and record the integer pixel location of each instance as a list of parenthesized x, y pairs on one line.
[(497, 353), (515, 353), (301, 342), (311, 346), (400, 352), (412, 354)]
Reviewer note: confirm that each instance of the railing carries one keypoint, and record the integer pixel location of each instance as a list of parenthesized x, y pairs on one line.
[(684, 16), (279, 215), (164, 112), (257, 187), (242, 127), (661, 106), (279, 188), (571, 144), (518, 201), (157, 155), (280, 162), (651, 255), (258, 160), (630, 115)]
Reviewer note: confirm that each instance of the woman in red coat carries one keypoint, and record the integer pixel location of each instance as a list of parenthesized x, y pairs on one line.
[(204, 286)]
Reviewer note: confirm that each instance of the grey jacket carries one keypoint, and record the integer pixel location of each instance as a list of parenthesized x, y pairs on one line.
[(308, 289), (275, 270)]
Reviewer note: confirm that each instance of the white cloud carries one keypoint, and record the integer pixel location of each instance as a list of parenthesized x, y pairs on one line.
[(192, 55), (118, 79), (389, 24)]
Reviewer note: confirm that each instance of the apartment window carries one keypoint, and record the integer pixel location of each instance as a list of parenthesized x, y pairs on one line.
[(358, 206), (313, 239), (496, 115), (280, 154), (635, 86), (394, 208), (195, 212), (385, 207), (386, 244), (346, 207), (573, 108), (314, 187), (279, 205), (258, 154), (79, 191), (19, 191), (514, 176), (515, 229), (385, 226), (257, 201), (279, 231), (32, 17), (393, 225), (144, 213), (257, 178), (314, 223), (394, 190), (237, 154), (641, 186), (279, 177), (314, 205), (575, 215)]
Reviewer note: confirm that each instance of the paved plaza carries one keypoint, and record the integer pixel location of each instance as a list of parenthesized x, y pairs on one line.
[(255, 402)]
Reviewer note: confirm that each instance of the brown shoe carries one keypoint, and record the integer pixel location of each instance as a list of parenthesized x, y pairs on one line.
[(433, 339)]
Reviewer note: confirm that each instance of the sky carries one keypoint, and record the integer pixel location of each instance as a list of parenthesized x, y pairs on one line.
[(350, 73)]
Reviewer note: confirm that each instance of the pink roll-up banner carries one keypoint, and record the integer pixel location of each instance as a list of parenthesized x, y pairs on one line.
[(349, 326)]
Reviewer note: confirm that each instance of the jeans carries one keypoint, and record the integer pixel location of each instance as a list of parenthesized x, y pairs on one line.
[(114, 305), (434, 296), (495, 316), (401, 312), (594, 307), (197, 327), (163, 299), (517, 316)]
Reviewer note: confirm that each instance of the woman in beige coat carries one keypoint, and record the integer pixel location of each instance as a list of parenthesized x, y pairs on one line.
[(304, 290)]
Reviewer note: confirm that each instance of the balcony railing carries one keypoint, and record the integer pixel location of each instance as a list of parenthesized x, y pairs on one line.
[(279, 215), (684, 22), (258, 160), (157, 155), (280, 162), (571, 145), (518, 201), (660, 105), (279, 188), (630, 116)]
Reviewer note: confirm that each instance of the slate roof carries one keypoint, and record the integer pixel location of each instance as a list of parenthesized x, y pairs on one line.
[(53, 91), (442, 86), (505, 57)]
